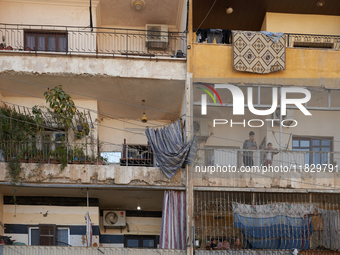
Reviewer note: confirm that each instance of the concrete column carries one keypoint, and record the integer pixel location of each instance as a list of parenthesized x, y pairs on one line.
[(2, 230), (189, 169), (189, 126)]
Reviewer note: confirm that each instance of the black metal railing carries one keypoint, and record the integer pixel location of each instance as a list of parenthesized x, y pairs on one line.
[(97, 40), (292, 40), (137, 155)]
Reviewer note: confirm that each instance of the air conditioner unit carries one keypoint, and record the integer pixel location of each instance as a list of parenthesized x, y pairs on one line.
[(113, 219), (156, 36), (201, 128), (289, 116)]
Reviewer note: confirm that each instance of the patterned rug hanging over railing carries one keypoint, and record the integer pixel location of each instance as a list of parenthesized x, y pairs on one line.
[(256, 52)]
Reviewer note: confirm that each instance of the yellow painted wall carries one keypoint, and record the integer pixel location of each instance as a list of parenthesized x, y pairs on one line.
[(137, 226), (59, 215), (311, 67), (301, 23)]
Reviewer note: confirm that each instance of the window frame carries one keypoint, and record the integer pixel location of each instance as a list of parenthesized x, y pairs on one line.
[(55, 237), (310, 148), (140, 239), (30, 234), (46, 33)]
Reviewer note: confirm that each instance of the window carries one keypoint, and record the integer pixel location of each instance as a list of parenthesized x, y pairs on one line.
[(55, 41), (49, 235), (134, 241), (319, 149)]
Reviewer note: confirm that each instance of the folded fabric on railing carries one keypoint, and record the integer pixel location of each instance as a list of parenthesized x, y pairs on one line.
[(255, 52), (169, 149), (274, 226), (273, 35)]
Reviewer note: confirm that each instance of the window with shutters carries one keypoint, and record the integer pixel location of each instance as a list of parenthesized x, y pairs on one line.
[(40, 40), (49, 235)]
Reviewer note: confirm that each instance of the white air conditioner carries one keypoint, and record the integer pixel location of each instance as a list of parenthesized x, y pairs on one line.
[(201, 128), (113, 219), (289, 116), (156, 36)]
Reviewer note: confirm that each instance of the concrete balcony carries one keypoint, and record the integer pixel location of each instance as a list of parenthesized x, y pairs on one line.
[(305, 66), (58, 250), (93, 174), (225, 168)]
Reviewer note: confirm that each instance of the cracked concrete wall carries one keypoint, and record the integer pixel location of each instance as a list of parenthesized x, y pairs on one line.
[(94, 174), (171, 69)]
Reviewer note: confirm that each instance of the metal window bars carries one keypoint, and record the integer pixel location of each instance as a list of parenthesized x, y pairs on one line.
[(308, 220)]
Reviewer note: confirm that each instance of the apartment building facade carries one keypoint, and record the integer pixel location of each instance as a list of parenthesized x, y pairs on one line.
[(257, 91), (121, 61), (92, 184)]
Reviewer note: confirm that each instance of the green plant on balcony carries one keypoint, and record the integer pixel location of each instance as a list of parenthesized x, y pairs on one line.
[(62, 105)]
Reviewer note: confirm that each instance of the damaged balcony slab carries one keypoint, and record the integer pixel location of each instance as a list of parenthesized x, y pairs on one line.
[(168, 69), (93, 174)]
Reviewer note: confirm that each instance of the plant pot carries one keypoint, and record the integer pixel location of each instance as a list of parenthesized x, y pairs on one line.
[(9, 48), (98, 163)]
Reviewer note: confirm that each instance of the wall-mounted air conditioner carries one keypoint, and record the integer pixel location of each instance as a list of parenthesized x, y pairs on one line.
[(113, 219), (156, 36), (289, 116), (202, 129)]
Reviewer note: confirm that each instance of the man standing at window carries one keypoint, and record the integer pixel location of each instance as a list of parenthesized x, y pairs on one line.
[(247, 146)]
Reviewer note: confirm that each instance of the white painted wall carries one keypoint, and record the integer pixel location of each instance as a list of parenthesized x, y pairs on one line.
[(70, 13)]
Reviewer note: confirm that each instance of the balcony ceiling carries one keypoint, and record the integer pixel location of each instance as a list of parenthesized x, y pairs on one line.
[(150, 200), (249, 14), (119, 13), (115, 95)]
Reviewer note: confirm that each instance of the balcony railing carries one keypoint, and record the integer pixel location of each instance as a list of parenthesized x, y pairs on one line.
[(51, 152), (137, 155), (97, 40), (62, 250), (294, 159), (60, 152), (308, 41)]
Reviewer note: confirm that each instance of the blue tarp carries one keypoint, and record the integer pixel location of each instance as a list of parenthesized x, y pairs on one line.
[(169, 149), (278, 232)]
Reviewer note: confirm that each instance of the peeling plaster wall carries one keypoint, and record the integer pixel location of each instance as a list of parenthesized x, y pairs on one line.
[(171, 69), (25, 216), (95, 174)]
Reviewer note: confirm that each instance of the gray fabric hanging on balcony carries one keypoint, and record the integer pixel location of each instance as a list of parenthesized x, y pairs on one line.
[(169, 149)]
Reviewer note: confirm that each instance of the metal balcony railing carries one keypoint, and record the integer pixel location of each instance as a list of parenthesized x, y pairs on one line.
[(297, 159), (309, 41), (51, 152), (61, 152), (97, 40)]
